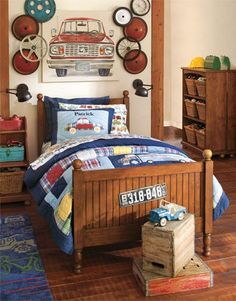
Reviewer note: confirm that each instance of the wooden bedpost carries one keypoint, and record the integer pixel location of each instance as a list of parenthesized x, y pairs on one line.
[(126, 102), (208, 187), (78, 209), (41, 122)]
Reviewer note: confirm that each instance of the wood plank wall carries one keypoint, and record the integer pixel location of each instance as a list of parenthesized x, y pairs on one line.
[(157, 106), (4, 59)]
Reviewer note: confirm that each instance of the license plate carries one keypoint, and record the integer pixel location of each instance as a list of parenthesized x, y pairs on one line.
[(82, 66), (142, 195)]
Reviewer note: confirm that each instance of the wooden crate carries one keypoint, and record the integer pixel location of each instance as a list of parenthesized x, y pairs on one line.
[(195, 275), (166, 250)]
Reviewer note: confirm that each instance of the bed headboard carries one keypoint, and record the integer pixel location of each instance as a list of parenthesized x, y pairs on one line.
[(42, 124)]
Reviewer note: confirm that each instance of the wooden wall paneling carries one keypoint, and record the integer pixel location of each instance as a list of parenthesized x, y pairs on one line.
[(157, 106), (4, 59)]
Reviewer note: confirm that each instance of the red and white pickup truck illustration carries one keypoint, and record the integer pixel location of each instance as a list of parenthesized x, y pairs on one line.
[(82, 45)]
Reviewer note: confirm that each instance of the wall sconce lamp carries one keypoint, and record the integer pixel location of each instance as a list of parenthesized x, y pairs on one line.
[(139, 86), (22, 92)]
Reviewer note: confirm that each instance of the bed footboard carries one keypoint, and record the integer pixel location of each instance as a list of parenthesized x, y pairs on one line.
[(99, 220)]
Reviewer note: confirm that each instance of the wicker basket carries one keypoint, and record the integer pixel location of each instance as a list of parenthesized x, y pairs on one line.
[(200, 135), (201, 87), (191, 87), (190, 108), (190, 133), (11, 182), (201, 110)]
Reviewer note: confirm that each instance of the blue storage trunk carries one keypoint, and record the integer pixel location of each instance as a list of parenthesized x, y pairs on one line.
[(11, 153)]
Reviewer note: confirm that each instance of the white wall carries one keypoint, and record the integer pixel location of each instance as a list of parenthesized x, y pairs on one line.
[(194, 28), (140, 107)]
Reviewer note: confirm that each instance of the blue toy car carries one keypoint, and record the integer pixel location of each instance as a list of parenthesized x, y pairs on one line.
[(167, 212)]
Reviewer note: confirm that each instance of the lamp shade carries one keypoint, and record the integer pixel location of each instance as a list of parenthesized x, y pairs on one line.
[(22, 92), (139, 86), (141, 91)]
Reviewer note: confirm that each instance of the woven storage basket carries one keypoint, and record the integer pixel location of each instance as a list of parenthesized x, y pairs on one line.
[(201, 88), (190, 133), (201, 110), (11, 182), (190, 108), (191, 87), (200, 135)]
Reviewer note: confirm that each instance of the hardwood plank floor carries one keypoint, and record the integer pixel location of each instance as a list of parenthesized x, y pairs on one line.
[(107, 273)]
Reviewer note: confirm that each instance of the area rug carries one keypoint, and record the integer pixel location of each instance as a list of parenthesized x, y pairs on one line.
[(22, 272)]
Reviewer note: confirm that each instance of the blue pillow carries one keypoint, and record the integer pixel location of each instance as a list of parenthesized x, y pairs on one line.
[(71, 124), (53, 102)]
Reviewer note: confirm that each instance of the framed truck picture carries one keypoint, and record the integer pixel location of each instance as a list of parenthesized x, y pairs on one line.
[(81, 47)]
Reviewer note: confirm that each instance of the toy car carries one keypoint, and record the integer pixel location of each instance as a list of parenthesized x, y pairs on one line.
[(167, 212)]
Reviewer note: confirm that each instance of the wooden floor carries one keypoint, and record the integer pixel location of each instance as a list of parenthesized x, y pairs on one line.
[(107, 273)]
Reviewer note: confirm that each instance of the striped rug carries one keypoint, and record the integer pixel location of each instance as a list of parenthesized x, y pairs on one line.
[(22, 273)]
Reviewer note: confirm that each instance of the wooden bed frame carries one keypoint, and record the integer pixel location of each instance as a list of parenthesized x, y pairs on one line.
[(97, 216)]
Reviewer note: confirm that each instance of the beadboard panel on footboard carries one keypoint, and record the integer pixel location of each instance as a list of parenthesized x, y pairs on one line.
[(98, 217)]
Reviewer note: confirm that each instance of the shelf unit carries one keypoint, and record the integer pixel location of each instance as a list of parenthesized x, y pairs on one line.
[(220, 110), (18, 135)]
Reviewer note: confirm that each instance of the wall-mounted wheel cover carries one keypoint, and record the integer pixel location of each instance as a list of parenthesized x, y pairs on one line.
[(136, 65), (24, 25), (21, 65), (41, 10), (122, 16), (140, 7), (125, 45), (136, 29)]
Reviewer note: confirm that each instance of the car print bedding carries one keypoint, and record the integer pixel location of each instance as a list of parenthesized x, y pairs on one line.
[(49, 178)]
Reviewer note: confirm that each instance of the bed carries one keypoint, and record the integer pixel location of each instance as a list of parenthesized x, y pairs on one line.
[(97, 216)]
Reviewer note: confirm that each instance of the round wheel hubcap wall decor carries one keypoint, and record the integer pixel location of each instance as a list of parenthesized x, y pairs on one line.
[(122, 16), (24, 25), (23, 66), (125, 45), (36, 45), (135, 64), (136, 29), (41, 10), (140, 7)]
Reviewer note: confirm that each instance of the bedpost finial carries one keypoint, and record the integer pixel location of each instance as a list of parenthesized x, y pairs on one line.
[(126, 93), (77, 164), (40, 96), (207, 154)]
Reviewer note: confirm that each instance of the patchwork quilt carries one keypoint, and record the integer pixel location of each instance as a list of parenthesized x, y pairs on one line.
[(49, 178)]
